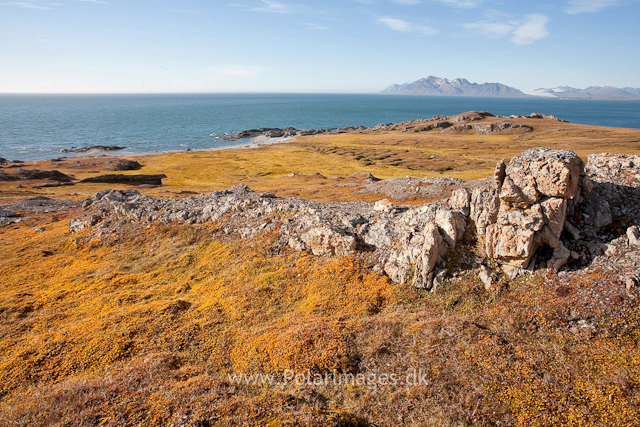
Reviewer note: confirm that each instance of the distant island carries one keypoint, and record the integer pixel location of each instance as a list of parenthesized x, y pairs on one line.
[(437, 86)]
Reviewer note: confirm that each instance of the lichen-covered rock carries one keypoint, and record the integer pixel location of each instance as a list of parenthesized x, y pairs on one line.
[(552, 173), (484, 208), (534, 191), (509, 244), (555, 211), (621, 169), (383, 206), (460, 201), (452, 225), (329, 241), (432, 251), (519, 218)]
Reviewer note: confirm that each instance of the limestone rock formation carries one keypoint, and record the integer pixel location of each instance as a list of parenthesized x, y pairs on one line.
[(329, 241), (534, 191), (539, 211)]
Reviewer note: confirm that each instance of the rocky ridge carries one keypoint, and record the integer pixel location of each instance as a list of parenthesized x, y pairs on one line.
[(458, 122), (543, 210)]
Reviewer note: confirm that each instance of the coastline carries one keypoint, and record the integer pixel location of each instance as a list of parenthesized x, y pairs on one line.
[(256, 142)]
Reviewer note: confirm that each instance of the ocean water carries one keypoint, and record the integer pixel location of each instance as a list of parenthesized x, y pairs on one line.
[(35, 127)]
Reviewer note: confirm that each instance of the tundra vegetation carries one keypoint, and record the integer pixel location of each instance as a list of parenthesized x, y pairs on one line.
[(147, 325)]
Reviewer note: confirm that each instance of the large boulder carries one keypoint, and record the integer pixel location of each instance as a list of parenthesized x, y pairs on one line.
[(540, 172), (530, 207)]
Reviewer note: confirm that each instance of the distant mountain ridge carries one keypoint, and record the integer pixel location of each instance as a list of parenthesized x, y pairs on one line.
[(592, 92), (437, 86)]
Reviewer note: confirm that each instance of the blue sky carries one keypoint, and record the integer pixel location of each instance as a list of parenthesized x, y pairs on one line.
[(140, 46)]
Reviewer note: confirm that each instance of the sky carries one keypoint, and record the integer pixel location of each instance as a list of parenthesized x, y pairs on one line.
[(329, 46)]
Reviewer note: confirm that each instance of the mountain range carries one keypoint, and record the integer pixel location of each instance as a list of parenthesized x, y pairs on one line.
[(592, 92), (437, 86)]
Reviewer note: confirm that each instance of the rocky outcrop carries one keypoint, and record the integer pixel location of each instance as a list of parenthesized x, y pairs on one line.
[(501, 126), (127, 179), (470, 116), (535, 213), (534, 193), (92, 148), (126, 165), (27, 174)]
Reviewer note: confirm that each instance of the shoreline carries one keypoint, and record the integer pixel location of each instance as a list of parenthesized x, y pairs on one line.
[(256, 142)]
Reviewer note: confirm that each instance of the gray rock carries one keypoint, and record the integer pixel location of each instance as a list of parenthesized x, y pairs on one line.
[(460, 201), (432, 251), (633, 234), (486, 276)]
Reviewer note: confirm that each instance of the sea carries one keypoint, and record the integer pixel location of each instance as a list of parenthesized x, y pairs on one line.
[(38, 127)]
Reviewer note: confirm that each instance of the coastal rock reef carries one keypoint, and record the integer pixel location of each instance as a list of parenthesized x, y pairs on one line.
[(545, 209)]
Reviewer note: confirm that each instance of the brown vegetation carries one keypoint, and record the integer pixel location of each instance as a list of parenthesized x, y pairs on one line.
[(144, 327)]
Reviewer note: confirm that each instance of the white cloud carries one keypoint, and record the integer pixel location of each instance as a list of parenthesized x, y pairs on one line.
[(43, 6), (407, 27), (25, 5), (396, 24), (522, 32), (588, 6), (407, 2), (271, 6), (492, 30), (533, 29), (463, 4), (317, 27)]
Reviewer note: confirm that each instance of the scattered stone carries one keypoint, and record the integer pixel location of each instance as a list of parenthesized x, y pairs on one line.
[(486, 276), (7, 214), (383, 206), (364, 176), (126, 165), (41, 204)]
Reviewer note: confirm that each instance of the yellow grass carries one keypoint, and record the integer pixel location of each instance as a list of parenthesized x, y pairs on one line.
[(143, 327)]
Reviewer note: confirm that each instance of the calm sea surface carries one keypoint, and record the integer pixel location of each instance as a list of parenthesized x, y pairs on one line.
[(34, 127)]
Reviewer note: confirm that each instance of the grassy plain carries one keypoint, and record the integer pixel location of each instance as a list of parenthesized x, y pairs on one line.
[(143, 328)]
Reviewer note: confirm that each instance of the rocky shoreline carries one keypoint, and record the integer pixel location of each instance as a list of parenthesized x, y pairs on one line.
[(446, 123)]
